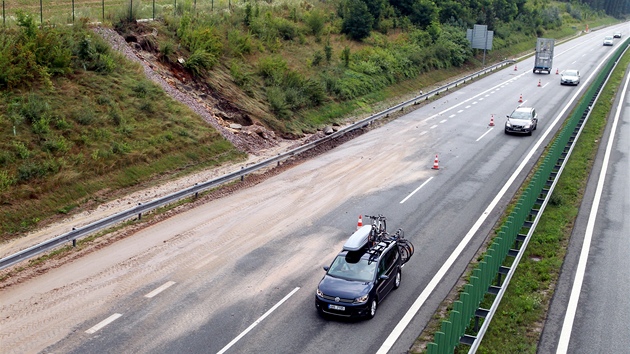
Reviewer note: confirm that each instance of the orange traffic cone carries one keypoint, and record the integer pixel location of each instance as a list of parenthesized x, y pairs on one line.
[(360, 223), (520, 99), (539, 85), (515, 68), (557, 72), (491, 120), (435, 163)]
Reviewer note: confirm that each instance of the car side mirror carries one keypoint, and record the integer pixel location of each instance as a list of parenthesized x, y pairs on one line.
[(384, 277), (326, 268), (507, 115)]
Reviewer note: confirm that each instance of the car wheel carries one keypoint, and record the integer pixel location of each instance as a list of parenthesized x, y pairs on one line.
[(397, 280), (506, 132), (373, 306), (529, 133)]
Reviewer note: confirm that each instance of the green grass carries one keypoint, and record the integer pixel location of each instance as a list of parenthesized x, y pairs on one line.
[(90, 137)]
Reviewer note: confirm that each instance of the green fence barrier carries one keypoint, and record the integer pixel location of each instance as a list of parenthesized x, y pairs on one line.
[(483, 275)]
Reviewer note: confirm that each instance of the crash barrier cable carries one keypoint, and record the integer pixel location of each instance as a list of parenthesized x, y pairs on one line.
[(515, 233), (140, 209)]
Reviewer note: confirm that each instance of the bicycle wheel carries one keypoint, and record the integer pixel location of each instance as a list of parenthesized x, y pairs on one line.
[(382, 227)]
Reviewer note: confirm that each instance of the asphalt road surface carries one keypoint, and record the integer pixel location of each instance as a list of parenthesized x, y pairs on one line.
[(590, 312), (238, 274)]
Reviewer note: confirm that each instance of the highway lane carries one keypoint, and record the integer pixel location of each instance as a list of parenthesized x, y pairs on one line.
[(590, 311), (232, 260)]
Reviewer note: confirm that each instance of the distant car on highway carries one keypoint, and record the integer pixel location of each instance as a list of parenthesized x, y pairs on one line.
[(617, 34), (570, 77), (608, 40), (523, 120)]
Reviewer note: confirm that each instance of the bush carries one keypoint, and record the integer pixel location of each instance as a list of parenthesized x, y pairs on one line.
[(84, 116), (35, 108), (241, 78), (6, 180), (357, 20), (200, 62), (318, 57), (21, 150), (287, 30), (239, 43), (272, 69), (57, 144), (42, 126), (315, 21), (277, 102), (30, 170)]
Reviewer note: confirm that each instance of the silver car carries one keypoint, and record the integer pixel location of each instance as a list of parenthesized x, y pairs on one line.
[(570, 77), (608, 40), (524, 120)]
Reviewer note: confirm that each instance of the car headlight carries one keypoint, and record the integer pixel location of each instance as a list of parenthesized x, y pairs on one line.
[(320, 293), (508, 124), (528, 125), (362, 299)]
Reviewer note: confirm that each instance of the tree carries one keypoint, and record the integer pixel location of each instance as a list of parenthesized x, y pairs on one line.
[(358, 21), (421, 12)]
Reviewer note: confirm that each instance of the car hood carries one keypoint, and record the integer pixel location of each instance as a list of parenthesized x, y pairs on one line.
[(345, 289), (569, 77), (519, 121)]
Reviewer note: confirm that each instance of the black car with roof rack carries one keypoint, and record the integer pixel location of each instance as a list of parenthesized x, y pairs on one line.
[(363, 274)]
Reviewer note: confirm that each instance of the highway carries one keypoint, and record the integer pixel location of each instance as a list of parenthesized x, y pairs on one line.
[(590, 310), (238, 274)]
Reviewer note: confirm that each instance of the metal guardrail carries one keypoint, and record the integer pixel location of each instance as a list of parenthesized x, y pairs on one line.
[(77, 233)]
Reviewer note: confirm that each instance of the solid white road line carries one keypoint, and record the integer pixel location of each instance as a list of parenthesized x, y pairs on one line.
[(229, 345), (103, 323), (569, 317), (417, 189), (160, 289), (437, 278)]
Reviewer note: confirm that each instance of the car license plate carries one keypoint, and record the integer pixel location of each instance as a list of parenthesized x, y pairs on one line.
[(335, 307)]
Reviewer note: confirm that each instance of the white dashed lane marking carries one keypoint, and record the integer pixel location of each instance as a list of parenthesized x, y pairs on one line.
[(160, 289), (103, 323)]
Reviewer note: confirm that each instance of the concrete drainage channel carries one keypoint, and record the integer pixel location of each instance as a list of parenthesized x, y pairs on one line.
[(140, 209)]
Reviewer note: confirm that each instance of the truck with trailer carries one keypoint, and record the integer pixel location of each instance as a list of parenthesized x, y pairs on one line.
[(544, 55)]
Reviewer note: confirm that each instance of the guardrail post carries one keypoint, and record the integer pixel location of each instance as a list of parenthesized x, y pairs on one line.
[(139, 214), (74, 243), (242, 176)]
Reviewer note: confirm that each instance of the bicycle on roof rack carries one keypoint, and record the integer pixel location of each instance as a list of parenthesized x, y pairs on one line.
[(379, 233), (379, 227)]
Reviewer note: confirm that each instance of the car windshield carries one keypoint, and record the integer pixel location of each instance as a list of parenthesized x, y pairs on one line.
[(571, 73), (520, 115), (353, 268), (609, 37)]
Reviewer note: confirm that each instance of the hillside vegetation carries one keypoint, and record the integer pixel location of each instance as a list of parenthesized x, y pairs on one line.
[(79, 122)]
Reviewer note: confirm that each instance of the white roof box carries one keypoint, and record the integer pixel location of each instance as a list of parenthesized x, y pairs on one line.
[(358, 239)]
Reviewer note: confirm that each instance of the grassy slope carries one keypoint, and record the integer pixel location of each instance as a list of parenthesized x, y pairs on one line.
[(105, 133)]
